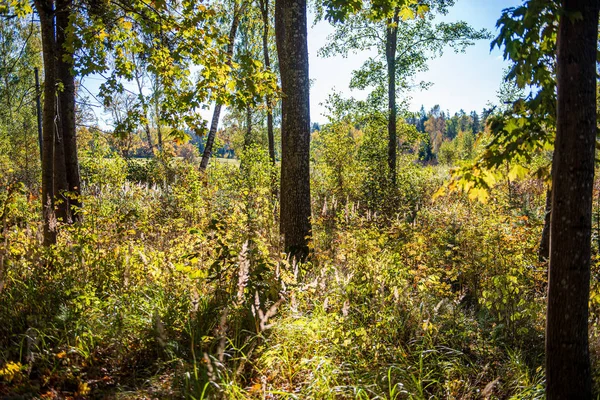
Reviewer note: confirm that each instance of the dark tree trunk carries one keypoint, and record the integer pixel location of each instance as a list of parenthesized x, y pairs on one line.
[(61, 185), (210, 140), (544, 250), (292, 49), (270, 134), (38, 106), (67, 106), (391, 41), (264, 7), (45, 10), (568, 374)]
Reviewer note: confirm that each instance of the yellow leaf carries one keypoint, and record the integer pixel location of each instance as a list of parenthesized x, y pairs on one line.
[(257, 387), (517, 171), (406, 14), (479, 194), (10, 371), (439, 193), (102, 35), (422, 10), (83, 389)]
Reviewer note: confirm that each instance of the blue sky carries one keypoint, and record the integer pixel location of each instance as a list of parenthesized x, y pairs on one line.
[(460, 81), (466, 81)]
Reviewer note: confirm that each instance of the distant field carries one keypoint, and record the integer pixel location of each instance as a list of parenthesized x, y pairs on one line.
[(228, 160), (218, 159)]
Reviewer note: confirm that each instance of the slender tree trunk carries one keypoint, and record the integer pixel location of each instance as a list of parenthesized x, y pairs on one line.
[(145, 110), (544, 250), (391, 41), (67, 106), (45, 10), (292, 49), (270, 135), (568, 374), (210, 140), (248, 137), (264, 6), (159, 136), (38, 105)]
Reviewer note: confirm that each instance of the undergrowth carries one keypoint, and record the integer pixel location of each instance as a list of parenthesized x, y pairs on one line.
[(177, 288)]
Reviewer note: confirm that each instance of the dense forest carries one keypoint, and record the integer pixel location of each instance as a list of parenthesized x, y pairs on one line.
[(175, 225)]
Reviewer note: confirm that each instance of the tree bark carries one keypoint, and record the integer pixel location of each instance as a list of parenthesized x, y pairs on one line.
[(568, 374), (67, 107), (61, 184), (45, 11), (210, 140), (292, 50), (390, 55), (264, 7), (38, 106)]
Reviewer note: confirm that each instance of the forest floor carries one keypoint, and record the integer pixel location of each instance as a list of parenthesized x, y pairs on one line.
[(181, 290)]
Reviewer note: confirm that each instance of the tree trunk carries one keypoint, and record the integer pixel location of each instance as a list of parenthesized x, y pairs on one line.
[(45, 10), (248, 137), (67, 106), (159, 136), (264, 7), (38, 106), (391, 41), (568, 374), (61, 185), (147, 129), (544, 250), (210, 140), (292, 49)]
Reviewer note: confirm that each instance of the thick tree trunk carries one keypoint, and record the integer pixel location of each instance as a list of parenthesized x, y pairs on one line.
[(264, 6), (61, 185), (391, 41), (292, 49), (568, 374), (45, 10), (210, 140), (544, 250), (67, 106)]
